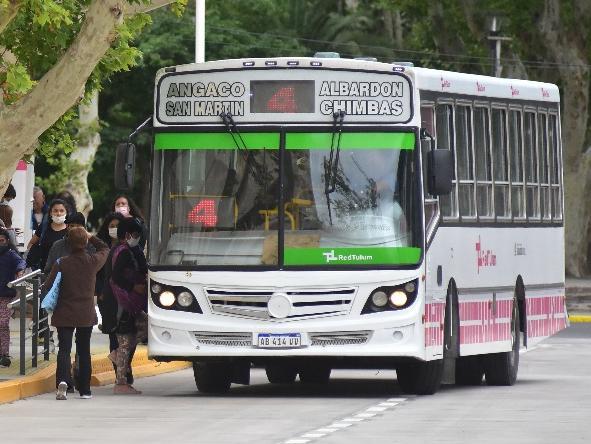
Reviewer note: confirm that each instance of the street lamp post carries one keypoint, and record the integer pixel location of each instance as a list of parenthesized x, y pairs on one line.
[(199, 31)]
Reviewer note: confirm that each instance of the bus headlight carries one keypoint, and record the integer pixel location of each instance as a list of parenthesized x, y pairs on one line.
[(167, 298), (174, 297), (379, 299), (185, 299), (398, 298), (391, 298)]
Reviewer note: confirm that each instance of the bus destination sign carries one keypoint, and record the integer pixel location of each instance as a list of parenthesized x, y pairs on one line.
[(283, 97)]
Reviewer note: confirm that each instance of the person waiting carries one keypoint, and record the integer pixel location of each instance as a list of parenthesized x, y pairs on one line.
[(75, 309)]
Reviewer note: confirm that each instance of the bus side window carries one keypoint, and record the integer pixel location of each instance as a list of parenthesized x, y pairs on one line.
[(554, 147), (431, 203), (484, 186), (544, 165), (445, 141), (532, 196), (465, 161), (516, 165), (500, 163)]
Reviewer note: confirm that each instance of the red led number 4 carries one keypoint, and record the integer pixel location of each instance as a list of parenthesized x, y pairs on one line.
[(204, 213), (283, 101)]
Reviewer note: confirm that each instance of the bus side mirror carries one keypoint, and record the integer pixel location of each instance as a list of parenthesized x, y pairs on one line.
[(124, 166), (440, 171)]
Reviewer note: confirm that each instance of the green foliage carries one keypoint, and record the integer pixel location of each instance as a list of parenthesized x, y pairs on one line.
[(15, 81), (38, 37), (60, 138), (64, 169)]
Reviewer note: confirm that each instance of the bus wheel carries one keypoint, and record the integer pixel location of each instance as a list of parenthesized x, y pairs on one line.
[(212, 377), (420, 378), (501, 368), (469, 370), (315, 374), (281, 373)]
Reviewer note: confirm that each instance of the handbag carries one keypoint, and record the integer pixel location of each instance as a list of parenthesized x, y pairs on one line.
[(50, 300)]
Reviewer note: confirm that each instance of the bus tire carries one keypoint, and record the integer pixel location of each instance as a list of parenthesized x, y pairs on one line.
[(501, 368), (469, 370), (420, 378), (281, 373), (315, 374), (212, 377)]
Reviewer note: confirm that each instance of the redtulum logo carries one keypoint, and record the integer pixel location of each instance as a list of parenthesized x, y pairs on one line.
[(514, 91), (545, 93), (480, 87), (445, 83), (484, 258)]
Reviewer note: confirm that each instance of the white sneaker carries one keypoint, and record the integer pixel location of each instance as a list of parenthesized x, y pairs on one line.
[(88, 396), (62, 391)]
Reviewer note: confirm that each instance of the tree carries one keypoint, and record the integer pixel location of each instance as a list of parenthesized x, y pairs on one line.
[(53, 54)]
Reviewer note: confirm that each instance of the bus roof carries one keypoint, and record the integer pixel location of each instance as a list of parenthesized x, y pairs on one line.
[(485, 86), (424, 78)]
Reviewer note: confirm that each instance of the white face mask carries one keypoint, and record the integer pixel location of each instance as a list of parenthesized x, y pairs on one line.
[(58, 219), (123, 210), (133, 241), (113, 232)]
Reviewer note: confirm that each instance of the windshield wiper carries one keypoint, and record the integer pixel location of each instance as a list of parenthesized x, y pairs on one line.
[(228, 121), (260, 174), (331, 167)]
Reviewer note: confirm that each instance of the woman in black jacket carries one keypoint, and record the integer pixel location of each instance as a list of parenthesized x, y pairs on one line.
[(127, 284)]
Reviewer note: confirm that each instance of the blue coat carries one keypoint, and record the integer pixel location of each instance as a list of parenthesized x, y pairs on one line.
[(10, 264)]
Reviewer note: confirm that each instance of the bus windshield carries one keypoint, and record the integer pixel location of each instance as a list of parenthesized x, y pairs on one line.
[(351, 200)]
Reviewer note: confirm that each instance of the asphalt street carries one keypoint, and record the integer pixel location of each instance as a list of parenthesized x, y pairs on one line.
[(550, 403)]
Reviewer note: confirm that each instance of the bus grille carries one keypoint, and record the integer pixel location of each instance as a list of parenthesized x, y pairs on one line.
[(339, 338), (223, 339), (305, 303)]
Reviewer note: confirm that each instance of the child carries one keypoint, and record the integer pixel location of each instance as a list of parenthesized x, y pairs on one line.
[(11, 267)]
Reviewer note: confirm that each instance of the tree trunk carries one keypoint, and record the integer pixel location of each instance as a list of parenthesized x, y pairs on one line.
[(560, 46), (88, 143), (22, 122)]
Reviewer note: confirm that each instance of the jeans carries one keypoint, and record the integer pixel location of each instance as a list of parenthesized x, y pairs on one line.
[(64, 359)]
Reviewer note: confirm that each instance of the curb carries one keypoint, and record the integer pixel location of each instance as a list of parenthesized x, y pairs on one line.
[(103, 374), (579, 318), (43, 381)]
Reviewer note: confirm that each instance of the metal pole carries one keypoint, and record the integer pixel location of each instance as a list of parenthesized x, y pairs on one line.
[(496, 40), (35, 331), (23, 324), (199, 31)]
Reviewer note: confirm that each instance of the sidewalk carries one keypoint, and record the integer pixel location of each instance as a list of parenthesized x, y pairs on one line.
[(14, 386), (578, 299)]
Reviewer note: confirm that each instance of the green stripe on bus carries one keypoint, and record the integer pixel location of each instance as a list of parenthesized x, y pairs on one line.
[(368, 141), (215, 141), (352, 256)]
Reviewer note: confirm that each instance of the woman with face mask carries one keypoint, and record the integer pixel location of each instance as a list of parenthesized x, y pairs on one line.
[(127, 288), (108, 234), (125, 206), (47, 234)]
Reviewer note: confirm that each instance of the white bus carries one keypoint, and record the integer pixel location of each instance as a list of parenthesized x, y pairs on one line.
[(312, 213)]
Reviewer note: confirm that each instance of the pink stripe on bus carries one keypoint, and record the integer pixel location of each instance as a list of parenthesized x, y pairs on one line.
[(494, 327)]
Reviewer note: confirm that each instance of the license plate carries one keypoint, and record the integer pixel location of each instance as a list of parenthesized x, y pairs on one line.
[(286, 340)]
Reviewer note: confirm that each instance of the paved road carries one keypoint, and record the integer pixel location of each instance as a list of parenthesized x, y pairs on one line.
[(550, 403)]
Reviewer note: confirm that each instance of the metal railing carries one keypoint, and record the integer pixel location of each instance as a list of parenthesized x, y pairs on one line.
[(23, 287)]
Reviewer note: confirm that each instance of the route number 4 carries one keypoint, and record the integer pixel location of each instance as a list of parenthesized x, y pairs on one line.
[(283, 101), (204, 213)]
